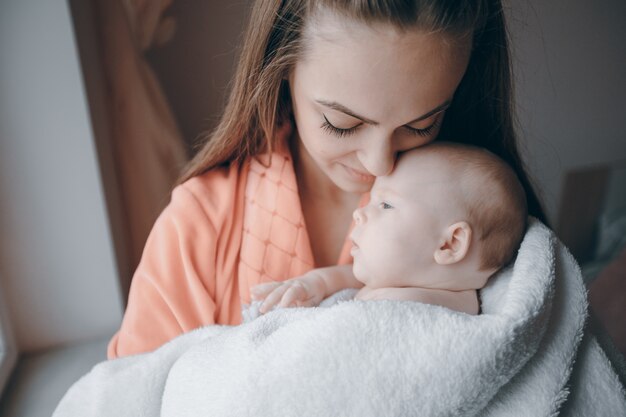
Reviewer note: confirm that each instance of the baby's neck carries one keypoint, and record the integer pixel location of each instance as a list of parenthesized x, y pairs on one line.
[(464, 301)]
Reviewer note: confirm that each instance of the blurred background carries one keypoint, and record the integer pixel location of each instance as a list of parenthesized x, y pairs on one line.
[(101, 103)]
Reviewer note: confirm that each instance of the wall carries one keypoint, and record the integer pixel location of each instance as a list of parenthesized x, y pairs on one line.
[(570, 67), (56, 258)]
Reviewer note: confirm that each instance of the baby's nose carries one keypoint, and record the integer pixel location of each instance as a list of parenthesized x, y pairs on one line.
[(359, 216)]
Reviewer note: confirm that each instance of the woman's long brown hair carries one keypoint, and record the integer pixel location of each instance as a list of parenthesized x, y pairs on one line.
[(259, 102)]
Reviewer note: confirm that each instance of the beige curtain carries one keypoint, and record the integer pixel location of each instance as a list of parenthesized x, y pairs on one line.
[(147, 146)]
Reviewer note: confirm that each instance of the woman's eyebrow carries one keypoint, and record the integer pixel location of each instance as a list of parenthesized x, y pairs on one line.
[(436, 110), (340, 107)]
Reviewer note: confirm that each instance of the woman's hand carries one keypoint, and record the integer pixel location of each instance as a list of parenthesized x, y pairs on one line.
[(305, 291)]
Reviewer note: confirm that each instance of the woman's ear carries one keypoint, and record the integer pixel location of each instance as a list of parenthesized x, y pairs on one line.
[(455, 244)]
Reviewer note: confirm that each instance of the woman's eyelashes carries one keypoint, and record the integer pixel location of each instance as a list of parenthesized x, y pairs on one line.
[(341, 132), (338, 131), (425, 131)]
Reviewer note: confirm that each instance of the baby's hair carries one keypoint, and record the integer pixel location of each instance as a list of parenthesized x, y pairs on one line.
[(498, 218)]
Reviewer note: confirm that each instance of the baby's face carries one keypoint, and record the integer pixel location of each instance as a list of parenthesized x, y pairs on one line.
[(397, 233)]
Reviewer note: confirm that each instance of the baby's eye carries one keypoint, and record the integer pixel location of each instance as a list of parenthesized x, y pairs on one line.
[(385, 206)]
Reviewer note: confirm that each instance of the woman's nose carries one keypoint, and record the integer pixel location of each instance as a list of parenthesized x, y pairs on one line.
[(359, 216), (380, 157)]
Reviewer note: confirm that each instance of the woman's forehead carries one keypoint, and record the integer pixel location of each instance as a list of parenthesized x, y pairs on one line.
[(386, 75)]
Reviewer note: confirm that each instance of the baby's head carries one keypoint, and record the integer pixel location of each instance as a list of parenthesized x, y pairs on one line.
[(447, 217)]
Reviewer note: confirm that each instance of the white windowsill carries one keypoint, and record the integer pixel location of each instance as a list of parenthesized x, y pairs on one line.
[(40, 380)]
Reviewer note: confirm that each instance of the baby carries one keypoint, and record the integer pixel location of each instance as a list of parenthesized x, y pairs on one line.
[(434, 231)]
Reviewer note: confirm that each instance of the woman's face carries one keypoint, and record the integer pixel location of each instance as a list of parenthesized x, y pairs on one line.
[(361, 94)]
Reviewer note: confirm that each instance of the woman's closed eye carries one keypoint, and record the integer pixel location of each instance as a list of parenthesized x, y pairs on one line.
[(424, 131), (341, 132)]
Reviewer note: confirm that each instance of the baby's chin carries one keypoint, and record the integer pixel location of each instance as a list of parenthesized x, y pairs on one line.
[(357, 272)]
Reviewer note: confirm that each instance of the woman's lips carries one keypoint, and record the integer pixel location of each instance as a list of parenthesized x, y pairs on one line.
[(358, 175)]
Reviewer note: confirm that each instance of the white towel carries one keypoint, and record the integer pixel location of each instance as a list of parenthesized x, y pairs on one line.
[(522, 356)]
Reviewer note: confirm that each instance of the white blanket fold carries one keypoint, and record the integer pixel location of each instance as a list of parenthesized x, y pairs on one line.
[(522, 356)]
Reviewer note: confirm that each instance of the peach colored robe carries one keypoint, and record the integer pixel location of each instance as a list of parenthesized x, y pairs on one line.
[(222, 233)]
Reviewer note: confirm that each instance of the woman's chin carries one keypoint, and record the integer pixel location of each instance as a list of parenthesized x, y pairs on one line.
[(354, 187)]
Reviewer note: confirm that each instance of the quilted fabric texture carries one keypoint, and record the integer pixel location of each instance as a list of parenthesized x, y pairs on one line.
[(275, 243)]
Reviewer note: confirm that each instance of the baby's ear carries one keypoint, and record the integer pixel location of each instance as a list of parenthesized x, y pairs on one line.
[(455, 244)]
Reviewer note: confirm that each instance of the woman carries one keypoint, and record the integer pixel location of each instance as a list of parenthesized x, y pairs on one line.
[(325, 96)]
